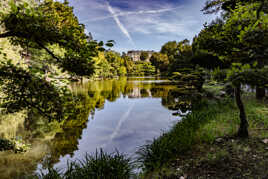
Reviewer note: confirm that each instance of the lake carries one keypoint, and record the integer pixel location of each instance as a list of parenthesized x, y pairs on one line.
[(128, 113), (120, 114)]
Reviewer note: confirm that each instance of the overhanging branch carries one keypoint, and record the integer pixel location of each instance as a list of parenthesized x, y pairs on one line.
[(5, 35), (48, 51)]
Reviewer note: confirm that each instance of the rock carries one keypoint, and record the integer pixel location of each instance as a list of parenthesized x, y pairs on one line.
[(265, 141), (222, 93), (219, 140)]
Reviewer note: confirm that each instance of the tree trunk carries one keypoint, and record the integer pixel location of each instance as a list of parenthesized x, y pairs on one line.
[(260, 92), (243, 129)]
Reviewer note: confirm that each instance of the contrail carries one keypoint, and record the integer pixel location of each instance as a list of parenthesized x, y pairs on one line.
[(132, 13), (119, 24), (118, 126)]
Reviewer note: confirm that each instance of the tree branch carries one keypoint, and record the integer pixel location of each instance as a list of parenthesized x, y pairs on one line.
[(39, 109), (260, 8), (7, 34), (48, 51)]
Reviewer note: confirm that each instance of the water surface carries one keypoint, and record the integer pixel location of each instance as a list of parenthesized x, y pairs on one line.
[(125, 114)]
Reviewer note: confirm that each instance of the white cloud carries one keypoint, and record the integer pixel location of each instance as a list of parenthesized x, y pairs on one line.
[(149, 23), (131, 13), (119, 24), (184, 22)]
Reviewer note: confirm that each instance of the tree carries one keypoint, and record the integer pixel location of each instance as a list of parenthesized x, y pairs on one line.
[(40, 27), (51, 23), (160, 61), (214, 6), (170, 49), (241, 40), (144, 56), (182, 58), (205, 59)]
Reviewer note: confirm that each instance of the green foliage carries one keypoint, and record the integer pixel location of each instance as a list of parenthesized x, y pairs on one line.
[(240, 37), (179, 56), (24, 91), (51, 23), (170, 49), (160, 61), (244, 45), (205, 59), (219, 75), (36, 29), (109, 64), (189, 79), (214, 6), (144, 56), (141, 68)]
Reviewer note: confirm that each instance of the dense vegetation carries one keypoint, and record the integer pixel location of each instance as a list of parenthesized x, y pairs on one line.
[(231, 50), (111, 64)]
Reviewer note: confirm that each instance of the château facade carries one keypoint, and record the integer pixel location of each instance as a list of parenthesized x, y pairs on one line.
[(135, 55)]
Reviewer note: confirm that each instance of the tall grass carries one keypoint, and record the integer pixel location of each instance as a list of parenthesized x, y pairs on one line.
[(180, 139), (99, 166), (203, 126)]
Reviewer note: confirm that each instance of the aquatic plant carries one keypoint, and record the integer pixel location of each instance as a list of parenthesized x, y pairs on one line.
[(101, 165)]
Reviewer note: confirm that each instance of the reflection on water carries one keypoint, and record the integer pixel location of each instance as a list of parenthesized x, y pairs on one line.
[(118, 114), (124, 114)]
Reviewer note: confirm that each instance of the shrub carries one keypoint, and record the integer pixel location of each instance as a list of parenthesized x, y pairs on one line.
[(219, 74)]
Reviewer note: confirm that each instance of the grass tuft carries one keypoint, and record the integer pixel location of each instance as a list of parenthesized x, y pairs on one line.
[(181, 138), (99, 166)]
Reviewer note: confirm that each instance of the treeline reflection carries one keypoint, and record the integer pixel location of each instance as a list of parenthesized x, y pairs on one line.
[(92, 96)]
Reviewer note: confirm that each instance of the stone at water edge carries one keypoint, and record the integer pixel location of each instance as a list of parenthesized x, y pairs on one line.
[(219, 140), (265, 141)]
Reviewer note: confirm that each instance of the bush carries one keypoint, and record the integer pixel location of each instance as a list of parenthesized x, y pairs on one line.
[(219, 74)]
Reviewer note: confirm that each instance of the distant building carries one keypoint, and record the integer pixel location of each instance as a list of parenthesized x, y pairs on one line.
[(135, 55)]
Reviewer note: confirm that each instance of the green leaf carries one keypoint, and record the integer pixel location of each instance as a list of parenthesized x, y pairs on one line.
[(109, 44)]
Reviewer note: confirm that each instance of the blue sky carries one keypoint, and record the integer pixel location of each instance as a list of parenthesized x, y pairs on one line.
[(141, 24)]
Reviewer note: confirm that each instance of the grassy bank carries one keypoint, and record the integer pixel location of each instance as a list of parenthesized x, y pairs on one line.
[(203, 145)]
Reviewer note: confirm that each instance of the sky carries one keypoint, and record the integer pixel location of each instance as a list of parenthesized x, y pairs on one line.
[(141, 24)]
